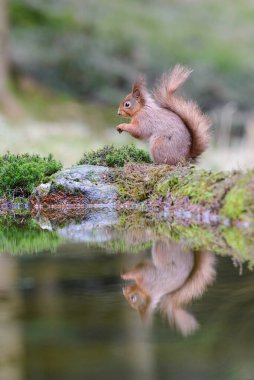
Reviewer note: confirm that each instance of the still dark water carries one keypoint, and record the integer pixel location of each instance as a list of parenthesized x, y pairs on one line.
[(163, 312)]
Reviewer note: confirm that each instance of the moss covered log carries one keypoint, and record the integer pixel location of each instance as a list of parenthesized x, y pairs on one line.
[(197, 193)]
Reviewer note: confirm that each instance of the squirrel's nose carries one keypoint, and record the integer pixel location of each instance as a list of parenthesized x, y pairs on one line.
[(119, 112)]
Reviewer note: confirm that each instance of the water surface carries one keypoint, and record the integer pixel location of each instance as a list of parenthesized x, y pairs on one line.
[(90, 308)]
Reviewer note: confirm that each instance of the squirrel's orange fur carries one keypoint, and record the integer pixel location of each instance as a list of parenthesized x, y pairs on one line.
[(176, 128)]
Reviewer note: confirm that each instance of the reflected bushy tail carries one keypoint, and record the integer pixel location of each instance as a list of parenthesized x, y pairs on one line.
[(202, 275)]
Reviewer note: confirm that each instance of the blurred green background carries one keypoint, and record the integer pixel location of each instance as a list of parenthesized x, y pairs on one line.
[(71, 61)]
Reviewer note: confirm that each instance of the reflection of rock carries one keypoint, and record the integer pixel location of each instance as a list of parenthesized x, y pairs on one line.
[(169, 281), (94, 228), (44, 223)]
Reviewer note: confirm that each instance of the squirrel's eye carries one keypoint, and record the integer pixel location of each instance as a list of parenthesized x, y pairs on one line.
[(127, 104), (133, 298)]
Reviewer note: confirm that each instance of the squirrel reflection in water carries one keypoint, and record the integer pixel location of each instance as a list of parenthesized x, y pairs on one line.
[(169, 281)]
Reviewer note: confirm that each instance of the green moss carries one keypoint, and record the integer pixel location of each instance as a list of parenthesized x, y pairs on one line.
[(171, 183), (55, 187), (199, 186), (235, 203), (20, 201), (229, 194), (115, 157), (91, 176), (141, 182), (137, 182), (19, 174), (239, 199)]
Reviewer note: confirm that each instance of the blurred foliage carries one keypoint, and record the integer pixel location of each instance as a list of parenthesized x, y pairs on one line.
[(27, 15), (115, 157), (95, 49), (20, 173)]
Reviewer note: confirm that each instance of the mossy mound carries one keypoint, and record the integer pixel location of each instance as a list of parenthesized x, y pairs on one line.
[(239, 199), (228, 195), (111, 156), (138, 183), (199, 186), (141, 182), (20, 173)]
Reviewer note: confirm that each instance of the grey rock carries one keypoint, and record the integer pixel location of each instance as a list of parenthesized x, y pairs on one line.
[(100, 200), (42, 190), (86, 179)]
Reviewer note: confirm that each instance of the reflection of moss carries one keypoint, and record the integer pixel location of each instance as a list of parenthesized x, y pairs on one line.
[(222, 240), (195, 236), (240, 241), (26, 237), (230, 241)]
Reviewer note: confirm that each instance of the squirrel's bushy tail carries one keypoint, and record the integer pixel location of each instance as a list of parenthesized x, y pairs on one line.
[(197, 123)]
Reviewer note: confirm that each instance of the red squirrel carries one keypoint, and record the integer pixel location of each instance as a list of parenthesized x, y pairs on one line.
[(176, 128)]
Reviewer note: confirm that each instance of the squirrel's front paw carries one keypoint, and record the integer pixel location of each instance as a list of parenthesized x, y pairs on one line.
[(120, 128)]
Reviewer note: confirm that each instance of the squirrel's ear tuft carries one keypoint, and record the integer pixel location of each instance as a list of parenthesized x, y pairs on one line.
[(139, 87)]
